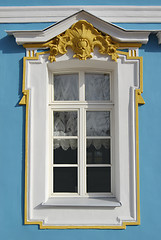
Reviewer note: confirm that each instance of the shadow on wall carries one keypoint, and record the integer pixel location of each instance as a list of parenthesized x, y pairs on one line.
[(152, 45), (23, 137), (9, 45)]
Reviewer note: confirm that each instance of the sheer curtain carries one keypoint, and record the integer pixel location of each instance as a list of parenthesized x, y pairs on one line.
[(97, 124), (97, 88), (66, 87), (65, 124)]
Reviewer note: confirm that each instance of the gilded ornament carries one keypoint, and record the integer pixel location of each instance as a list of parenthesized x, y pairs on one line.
[(82, 37)]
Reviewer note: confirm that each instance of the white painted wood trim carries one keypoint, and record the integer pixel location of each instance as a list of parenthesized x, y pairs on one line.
[(131, 14)]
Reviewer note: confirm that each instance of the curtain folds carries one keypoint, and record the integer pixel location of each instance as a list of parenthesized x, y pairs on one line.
[(72, 143), (97, 88)]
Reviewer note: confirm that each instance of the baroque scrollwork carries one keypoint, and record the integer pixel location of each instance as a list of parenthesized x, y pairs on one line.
[(82, 37)]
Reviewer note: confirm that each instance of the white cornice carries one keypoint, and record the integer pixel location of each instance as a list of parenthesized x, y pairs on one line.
[(117, 33), (131, 14)]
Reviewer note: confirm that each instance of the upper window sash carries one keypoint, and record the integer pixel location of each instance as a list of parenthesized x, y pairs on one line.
[(83, 86)]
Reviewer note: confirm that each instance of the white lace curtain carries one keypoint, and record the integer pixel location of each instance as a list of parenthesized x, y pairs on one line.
[(66, 87), (72, 143), (97, 87), (97, 124)]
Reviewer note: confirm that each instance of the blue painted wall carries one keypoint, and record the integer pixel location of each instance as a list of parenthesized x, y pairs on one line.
[(12, 139)]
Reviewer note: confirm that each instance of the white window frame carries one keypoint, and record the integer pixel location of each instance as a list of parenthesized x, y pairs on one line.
[(81, 106)]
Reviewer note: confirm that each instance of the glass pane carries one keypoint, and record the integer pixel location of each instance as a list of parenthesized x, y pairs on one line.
[(98, 123), (66, 87), (97, 86), (98, 179), (65, 151), (65, 123), (98, 151), (65, 179)]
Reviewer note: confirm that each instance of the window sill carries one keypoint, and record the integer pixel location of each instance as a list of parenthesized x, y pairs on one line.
[(83, 201)]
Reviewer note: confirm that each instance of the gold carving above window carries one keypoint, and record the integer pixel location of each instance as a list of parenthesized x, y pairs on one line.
[(82, 37)]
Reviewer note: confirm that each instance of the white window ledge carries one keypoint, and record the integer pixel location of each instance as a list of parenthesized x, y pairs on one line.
[(83, 201)]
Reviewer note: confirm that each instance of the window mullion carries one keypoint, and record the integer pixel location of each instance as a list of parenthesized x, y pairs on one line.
[(82, 153), (81, 135), (81, 86)]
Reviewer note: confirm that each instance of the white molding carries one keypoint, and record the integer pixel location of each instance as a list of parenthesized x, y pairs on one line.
[(39, 205), (117, 33), (131, 14)]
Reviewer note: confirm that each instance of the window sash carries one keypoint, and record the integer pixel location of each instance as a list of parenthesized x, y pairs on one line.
[(81, 141), (81, 85), (81, 107)]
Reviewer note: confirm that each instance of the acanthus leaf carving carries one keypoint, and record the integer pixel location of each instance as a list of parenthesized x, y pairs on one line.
[(82, 37)]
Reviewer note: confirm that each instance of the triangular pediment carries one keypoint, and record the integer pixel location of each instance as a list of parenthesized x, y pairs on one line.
[(116, 33)]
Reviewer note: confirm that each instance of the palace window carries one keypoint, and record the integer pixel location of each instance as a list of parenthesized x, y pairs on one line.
[(81, 111), (81, 140)]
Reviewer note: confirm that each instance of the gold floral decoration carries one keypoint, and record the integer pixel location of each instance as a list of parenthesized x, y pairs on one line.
[(82, 37)]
